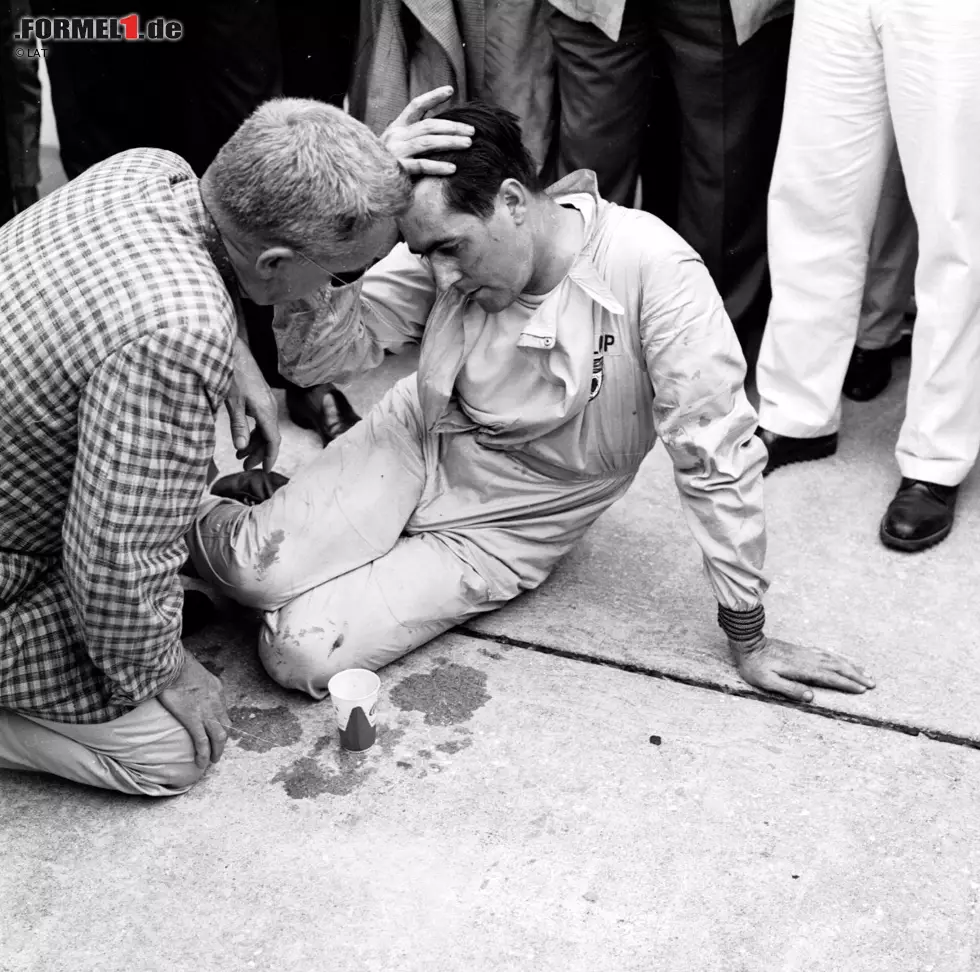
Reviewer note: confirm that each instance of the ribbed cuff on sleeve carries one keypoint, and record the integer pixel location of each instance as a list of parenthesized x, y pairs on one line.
[(742, 625)]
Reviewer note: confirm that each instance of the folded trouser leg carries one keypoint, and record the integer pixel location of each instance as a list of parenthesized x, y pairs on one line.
[(891, 264), (466, 551), (370, 616), (933, 71), (343, 510), (830, 165), (145, 752)]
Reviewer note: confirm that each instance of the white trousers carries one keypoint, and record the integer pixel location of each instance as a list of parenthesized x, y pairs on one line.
[(890, 281), (857, 68)]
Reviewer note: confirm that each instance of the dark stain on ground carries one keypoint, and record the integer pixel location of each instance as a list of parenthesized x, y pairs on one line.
[(401, 764), (325, 741), (213, 667), (425, 753), (454, 745), (496, 656), (389, 738), (270, 552), (447, 695), (260, 730), (305, 778)]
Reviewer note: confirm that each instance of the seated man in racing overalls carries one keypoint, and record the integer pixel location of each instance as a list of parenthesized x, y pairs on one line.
[(560, 335)]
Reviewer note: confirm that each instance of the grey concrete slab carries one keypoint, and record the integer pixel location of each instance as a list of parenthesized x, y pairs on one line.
[(515, 815)]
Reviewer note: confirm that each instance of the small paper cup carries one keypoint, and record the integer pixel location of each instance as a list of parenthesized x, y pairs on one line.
[(354, 694)]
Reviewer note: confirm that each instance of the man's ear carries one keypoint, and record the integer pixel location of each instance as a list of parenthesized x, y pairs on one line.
[(269, 262), (515, 197)]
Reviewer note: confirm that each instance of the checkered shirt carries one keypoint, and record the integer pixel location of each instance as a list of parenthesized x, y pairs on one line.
[(116, 336)]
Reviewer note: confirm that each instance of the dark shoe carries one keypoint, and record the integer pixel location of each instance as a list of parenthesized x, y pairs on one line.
[(323, 408), (198, 611), (784, 449), (920, 515), (868, 374)]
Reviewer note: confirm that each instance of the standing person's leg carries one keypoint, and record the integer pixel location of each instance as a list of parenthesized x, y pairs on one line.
[(520, 72), (833, 151), (730, 100), (602, 95), (933, 74), (21, 104), (145, 752), (227, 64), (318, 42), (107, 97), (887, 290)]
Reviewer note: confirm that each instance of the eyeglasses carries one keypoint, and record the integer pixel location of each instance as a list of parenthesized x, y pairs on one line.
[(343, 279)]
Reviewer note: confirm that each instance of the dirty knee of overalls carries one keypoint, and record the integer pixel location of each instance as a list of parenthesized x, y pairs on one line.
[(301, 657)]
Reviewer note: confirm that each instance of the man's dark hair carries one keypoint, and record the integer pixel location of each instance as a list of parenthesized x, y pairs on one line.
[(497, 153)]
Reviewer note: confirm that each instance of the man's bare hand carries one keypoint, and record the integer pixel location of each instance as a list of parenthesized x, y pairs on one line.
[(412, 134), (250, 394), (777, 666), (196, 700)]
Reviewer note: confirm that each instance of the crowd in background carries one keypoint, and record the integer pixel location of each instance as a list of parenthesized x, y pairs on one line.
[(677, 105), (676, 97)]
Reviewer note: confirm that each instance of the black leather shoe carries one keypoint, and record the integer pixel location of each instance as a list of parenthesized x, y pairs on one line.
[(198, 612), (323, 408), (868, 374), (920, 515), (784, 449)]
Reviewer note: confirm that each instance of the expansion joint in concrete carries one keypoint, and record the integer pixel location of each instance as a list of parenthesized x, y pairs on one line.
[(904, 728)]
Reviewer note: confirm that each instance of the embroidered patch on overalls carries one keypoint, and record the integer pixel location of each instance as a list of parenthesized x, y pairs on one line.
[(596, 386)]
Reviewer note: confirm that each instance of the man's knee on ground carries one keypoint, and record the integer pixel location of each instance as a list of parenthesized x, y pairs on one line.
[(166, 767), (169, 779), (304, 659)]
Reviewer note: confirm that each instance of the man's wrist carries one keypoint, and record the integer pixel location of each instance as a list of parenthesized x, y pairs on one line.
[(743, 628)]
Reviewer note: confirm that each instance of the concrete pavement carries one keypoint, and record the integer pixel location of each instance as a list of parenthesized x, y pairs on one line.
[(525, 810), (520, 812)]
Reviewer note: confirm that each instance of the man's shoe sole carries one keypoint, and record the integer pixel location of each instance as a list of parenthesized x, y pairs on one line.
[(912, 546), (823, 451)]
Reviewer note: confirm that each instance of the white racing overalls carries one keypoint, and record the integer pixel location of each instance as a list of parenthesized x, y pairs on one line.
[(419, 517)]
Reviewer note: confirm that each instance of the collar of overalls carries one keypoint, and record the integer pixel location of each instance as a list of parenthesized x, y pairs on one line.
[(542, 329)]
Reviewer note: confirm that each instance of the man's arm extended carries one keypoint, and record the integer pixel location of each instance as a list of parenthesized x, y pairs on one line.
[(707, 425), (145, 438), (340, 332)]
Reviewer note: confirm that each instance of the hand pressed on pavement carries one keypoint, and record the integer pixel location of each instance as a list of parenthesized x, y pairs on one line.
[(197, 701), (412, 134), (778, 666), (250, 394)]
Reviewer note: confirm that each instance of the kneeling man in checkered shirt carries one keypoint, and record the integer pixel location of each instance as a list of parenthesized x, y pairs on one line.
[(119, 322)]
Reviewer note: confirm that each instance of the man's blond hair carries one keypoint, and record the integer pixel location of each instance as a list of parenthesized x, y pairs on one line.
[(304, 174)]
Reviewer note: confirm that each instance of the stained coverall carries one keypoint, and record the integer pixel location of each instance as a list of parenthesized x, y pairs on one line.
[(471, 479)]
